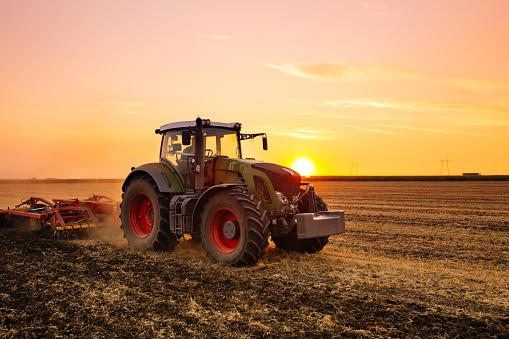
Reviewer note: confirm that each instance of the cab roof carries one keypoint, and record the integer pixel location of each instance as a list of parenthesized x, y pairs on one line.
[(183, 125)]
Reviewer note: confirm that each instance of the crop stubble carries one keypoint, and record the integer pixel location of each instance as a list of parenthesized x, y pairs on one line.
[(418, 260)]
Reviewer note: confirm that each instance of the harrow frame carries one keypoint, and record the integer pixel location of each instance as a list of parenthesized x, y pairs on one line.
[(61, 215)]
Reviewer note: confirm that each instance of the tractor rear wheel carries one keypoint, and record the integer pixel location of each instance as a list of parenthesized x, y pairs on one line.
[(290, 242), (145, 215), (234, 228)]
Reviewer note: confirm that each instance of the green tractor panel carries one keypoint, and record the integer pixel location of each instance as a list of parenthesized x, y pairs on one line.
[(203, 187)]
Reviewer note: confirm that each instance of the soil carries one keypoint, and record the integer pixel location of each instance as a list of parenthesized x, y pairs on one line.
[(388, 277)]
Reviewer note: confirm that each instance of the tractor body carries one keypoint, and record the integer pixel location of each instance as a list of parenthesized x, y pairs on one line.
[(203, 187)]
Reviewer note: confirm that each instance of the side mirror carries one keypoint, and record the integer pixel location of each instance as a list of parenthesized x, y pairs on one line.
[(265, 143), (186, 138)]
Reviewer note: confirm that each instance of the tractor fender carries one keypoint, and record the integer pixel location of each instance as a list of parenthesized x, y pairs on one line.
[(166, 178), (209, 192)]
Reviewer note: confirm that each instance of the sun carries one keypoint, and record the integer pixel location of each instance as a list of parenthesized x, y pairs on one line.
[(304, 166)]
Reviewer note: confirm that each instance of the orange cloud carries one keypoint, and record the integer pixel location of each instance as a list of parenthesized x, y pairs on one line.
[(370, 130), (300, 133), (333, 71), (321, 71), (433, 130)]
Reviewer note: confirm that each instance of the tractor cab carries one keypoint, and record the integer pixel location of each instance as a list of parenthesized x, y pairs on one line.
[(181, 141)]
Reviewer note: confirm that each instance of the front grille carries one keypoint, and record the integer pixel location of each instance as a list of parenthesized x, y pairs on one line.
[(283, 179)]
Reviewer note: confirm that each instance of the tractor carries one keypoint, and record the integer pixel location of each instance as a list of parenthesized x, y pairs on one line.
[(203, 189)]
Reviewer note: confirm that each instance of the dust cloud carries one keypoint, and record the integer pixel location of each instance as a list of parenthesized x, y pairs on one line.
[(190, 249), (110, 233)]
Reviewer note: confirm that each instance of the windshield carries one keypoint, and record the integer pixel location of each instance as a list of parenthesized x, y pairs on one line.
[(218, 142)]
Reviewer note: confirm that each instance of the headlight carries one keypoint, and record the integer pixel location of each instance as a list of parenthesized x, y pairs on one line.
[(281, 197)]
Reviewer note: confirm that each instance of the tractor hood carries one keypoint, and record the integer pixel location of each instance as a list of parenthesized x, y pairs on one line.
[(283, 179)]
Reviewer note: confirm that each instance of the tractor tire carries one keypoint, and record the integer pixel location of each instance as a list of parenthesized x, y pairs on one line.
[(145, 216), (290, 242), (234, 228)]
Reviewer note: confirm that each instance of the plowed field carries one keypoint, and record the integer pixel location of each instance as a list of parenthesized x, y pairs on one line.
[(419, 259)]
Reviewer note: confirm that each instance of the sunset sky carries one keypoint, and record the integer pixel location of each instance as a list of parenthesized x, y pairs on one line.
[(393, 87)]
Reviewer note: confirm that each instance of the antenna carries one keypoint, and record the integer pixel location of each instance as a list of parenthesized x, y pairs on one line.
[(354, 166), (446, 162)]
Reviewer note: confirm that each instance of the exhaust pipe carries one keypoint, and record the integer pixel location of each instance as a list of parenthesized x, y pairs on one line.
[(199, 139)]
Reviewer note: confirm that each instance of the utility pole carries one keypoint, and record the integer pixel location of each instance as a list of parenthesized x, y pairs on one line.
[(446, 162), (354, 167)]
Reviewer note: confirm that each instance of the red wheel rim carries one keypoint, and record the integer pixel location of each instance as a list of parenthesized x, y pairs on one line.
[(217, 223), (141, 216)]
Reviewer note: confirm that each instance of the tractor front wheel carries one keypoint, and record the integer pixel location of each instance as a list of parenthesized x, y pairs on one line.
[(234, 228), (145, 215)]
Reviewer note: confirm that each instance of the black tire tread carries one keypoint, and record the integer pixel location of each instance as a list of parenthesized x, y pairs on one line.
[(165, 240), (257, 224)]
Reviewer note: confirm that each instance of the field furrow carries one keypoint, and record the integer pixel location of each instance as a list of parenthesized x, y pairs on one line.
[(418, 260)]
